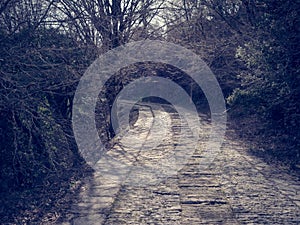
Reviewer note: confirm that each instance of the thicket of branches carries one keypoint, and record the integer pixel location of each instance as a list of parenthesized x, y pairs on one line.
[(45, 48), (46, 45)]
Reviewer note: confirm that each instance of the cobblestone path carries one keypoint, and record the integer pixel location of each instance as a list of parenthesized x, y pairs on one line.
[(236, 189)]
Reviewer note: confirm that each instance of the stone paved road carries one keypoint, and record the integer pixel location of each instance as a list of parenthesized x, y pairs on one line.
[(236, 189)]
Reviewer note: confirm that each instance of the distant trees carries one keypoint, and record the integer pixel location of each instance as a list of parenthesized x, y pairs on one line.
[(213, 30)]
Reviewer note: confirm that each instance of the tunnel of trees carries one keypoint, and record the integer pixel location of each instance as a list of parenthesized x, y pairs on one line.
[(252, 46)]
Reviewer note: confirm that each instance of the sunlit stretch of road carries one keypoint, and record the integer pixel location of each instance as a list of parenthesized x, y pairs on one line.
[(131, 186)]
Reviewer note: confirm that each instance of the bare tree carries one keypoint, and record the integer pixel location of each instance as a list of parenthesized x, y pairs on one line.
[(108, 24)]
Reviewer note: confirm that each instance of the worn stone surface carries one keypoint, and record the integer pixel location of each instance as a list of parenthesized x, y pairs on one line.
[(236, 189)]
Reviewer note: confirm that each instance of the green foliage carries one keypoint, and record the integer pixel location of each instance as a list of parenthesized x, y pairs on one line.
[(270, 85)]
